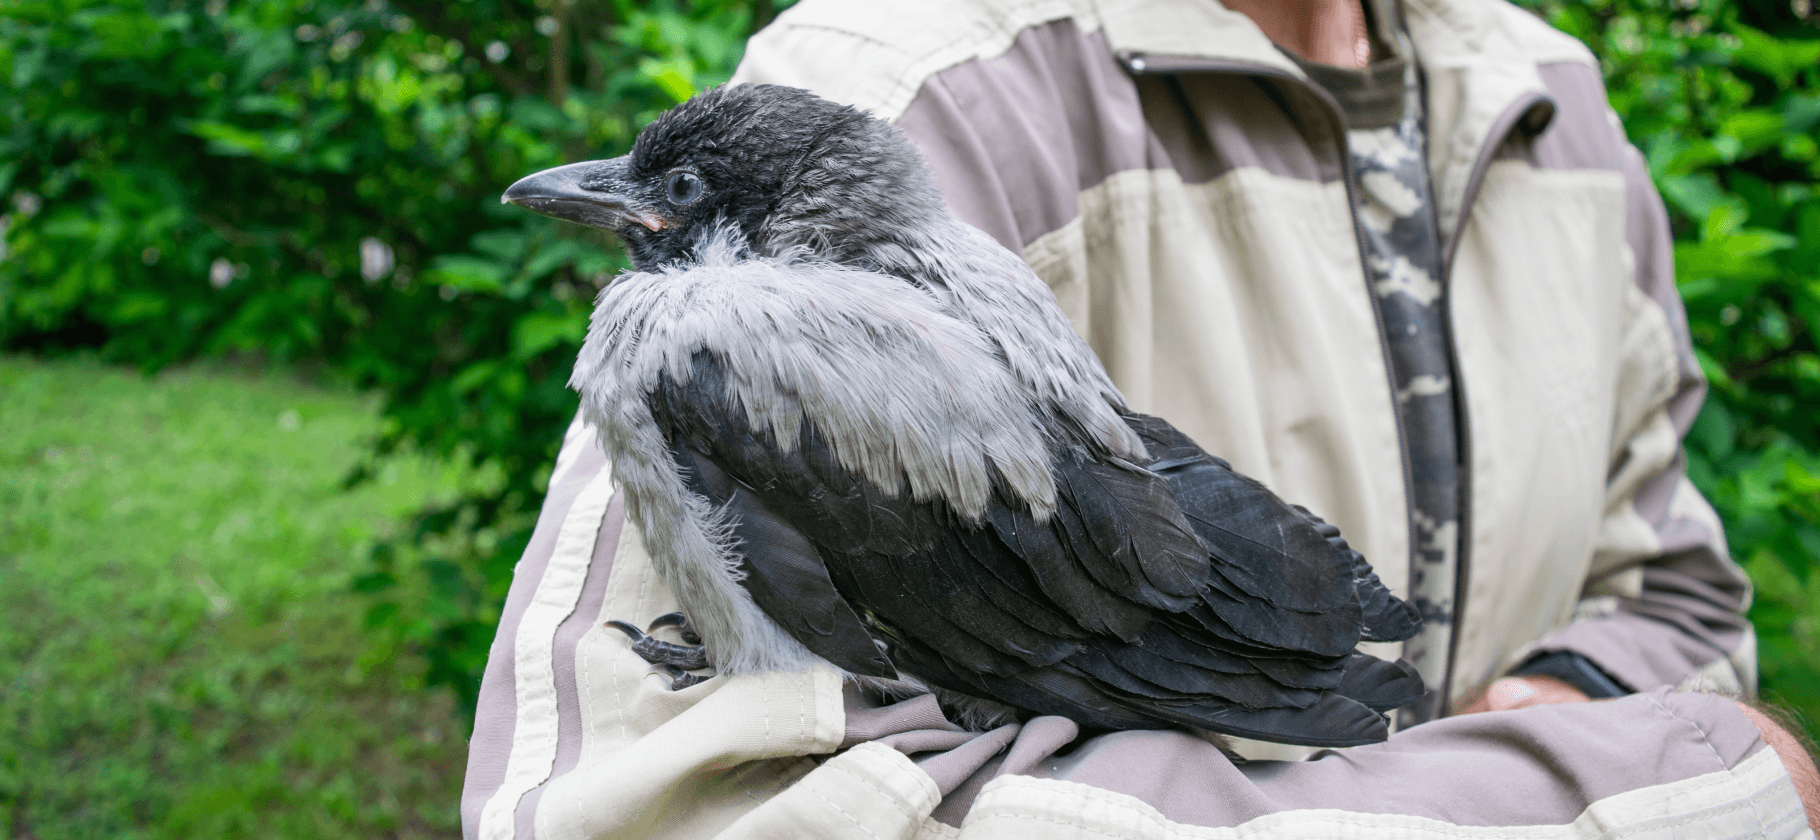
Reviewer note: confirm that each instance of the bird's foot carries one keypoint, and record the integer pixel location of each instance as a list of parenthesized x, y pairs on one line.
[(668, 657), (678, 621)]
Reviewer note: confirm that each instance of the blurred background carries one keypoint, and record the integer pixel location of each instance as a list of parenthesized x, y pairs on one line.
[(281, 381)]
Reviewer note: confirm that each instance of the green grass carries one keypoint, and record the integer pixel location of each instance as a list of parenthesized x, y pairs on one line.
[(180, 655)]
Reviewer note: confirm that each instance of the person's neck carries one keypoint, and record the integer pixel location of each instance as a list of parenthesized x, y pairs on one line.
[(1322, 31)]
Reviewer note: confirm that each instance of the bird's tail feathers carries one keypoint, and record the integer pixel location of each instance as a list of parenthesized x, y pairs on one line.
[(1380, 684), (1386, 618), (1333, 721)]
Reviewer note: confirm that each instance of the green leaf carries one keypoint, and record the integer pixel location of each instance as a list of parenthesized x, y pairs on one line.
[(1723, 219), (1753, 129), (505, 246), (1807, 231), (674, 77), (68, 224), (1801, 112), (473, 376), (1696, 194), (374, 582), (1722, 259), (122, 33), (1754, 242), (468, 273), (227, 139), (1712, 370), (1799, 479), (1773, 57), (1713, 433), (550, 256), (381, 614), (137, 306), (537, 332)]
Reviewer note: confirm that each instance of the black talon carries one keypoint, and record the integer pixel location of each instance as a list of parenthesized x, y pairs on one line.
[(659, 652), (679, 678), (678, 621)]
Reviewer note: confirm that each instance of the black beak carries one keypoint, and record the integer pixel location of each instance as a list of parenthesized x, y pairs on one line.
[(559, 193)]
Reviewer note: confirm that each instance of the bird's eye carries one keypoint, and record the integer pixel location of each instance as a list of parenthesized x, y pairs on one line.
[(683, 188)]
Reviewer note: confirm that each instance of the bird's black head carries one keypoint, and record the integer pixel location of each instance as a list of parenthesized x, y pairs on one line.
[(788, 168)]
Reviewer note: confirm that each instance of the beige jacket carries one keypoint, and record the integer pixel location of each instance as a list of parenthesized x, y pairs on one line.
[(1181, 189), (1163, 166)]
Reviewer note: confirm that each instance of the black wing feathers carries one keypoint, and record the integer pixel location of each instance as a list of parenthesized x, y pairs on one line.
[(1177, 592), (1143, 545), (785, 574), (1062, 578), (1387, 618), (1262, 524), (1380, 684)]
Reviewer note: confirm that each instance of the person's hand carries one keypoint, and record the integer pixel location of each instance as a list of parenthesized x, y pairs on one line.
[(1522, 692)]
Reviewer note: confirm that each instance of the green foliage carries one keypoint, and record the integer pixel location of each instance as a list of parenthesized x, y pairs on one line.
[(1724, 100), (320, 180), (180, 656)]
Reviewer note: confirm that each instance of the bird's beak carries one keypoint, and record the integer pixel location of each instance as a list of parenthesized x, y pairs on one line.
[(560, 194)]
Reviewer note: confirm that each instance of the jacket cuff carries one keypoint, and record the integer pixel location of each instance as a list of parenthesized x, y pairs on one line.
[(1640, 654), (1573, 669)]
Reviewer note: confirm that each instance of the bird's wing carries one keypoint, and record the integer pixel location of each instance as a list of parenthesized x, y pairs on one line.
[(784, 572), (912, 566), (1269, 551), (1111, 612)]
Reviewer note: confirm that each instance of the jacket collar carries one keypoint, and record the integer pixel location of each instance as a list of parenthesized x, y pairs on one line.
[(1480, 60)]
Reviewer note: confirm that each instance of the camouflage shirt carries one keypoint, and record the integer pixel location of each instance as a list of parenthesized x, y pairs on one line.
[(1401, 245)]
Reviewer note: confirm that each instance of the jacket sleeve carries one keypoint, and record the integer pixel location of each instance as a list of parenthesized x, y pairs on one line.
[(1664, 602), (574, 737), (1653, 762)]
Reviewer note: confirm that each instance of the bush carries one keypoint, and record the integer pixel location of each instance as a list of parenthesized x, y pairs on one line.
[(319, 180)]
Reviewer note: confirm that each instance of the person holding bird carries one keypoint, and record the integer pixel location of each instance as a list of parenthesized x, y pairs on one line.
[(907, 515)]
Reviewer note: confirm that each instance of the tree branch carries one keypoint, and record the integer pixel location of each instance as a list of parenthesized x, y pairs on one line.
[(1745, 372), (559, 55)]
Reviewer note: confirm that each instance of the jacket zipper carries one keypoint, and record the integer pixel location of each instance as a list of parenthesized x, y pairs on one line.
[(1500, 131)]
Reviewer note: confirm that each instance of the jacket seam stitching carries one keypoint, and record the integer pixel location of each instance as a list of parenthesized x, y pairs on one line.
[(1704, 739)]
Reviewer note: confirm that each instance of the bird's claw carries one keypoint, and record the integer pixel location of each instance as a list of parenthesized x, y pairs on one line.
[(668, 657), (680, 679), (678, 621)]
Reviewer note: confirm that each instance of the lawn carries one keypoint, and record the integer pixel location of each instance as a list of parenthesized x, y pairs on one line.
[(181, 655)]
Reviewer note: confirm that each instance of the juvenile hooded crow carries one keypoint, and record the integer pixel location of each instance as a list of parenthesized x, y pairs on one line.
[(855, 430)]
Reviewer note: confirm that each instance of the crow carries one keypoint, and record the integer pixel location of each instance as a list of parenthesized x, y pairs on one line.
[(857, 431)]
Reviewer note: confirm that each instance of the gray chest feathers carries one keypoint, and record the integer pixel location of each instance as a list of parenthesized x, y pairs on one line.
[(906, 394)]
